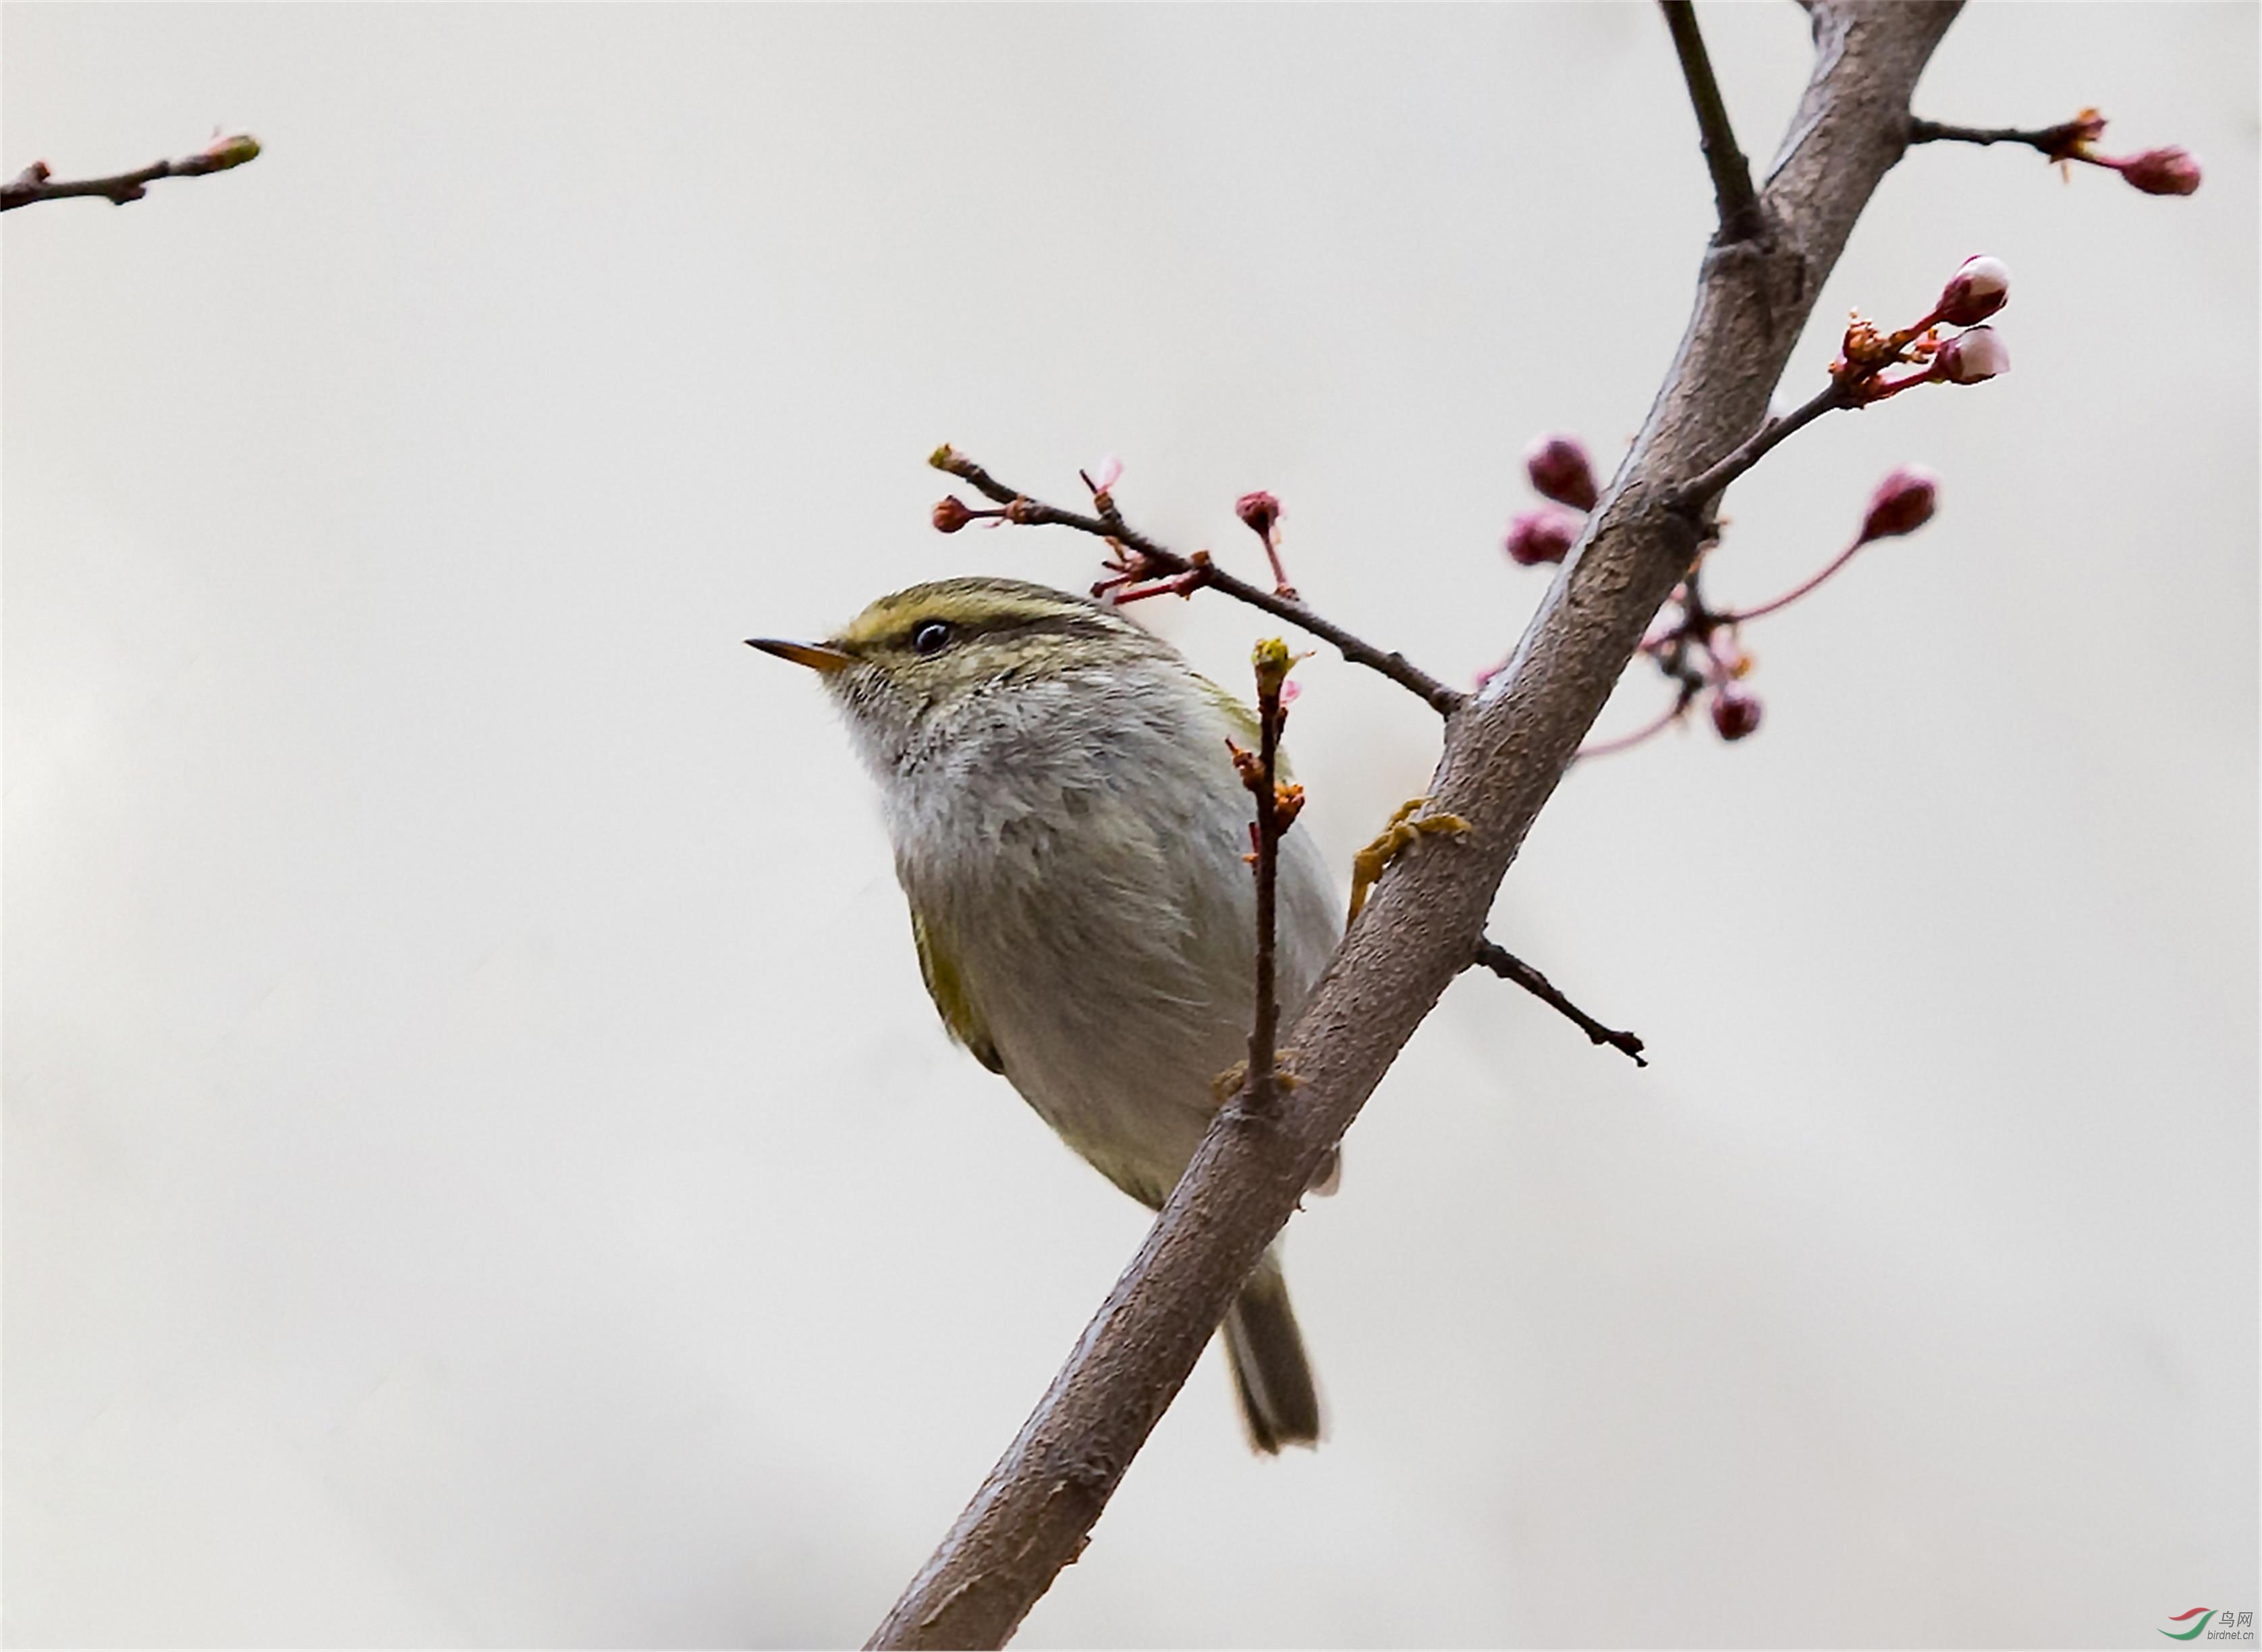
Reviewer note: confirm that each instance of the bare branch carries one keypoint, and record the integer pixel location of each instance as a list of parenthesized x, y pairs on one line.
[(1733, 195), (2056, 141), (35, 182), (2171, 169), (1505, 750), (1198, 571), (1276, 807), (1502, 963), (1693, 494)]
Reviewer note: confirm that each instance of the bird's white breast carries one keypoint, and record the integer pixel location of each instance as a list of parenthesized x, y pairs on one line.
[(1077, 846)]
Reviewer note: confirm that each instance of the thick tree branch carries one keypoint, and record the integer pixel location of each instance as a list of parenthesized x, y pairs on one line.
[(1733, 195), (1505, 750), (36, 184)]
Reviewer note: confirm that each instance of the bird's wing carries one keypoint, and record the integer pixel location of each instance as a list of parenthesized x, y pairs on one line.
[(947, 989)]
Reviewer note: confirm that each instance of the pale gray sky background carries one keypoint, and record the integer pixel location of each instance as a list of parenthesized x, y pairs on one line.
[(480, 1166)]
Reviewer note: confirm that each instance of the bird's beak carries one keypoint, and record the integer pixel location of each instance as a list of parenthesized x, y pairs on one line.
[(817, 656)]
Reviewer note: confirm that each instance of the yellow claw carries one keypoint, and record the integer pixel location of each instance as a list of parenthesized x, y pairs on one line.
[(1230, 1083), (1407, 828)]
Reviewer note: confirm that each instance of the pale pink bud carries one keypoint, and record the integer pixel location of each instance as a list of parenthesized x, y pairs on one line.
[(1974, 292), (1903, 503), (1260, 510), (1969, 357), (1106, 474), (1735, 714), (1544, 534), (2169, 171), (1558, 469)]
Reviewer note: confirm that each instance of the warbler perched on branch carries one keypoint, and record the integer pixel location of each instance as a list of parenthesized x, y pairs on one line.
[(1070, 833)]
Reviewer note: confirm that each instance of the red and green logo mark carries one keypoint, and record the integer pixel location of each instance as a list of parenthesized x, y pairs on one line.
[(2203, 1613)]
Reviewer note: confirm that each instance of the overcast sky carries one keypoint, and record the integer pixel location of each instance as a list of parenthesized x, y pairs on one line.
[(479, 1165)]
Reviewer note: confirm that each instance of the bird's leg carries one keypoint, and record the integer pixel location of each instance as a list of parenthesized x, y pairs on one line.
[(1406, 827)]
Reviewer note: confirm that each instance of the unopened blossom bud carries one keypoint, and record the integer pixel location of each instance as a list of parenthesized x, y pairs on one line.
[(223, 153), (1903, 503), (1546, 534), (1735, 714), (1974, 292), (2169, 171), (951, 514), (1273, 663), (1559, 470), (1106, 474), (1260, 510), (1969, 357)]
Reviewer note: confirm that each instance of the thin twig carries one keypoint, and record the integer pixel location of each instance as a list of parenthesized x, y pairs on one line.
[(1109, 524), (1694, 493), (1273, 660), (35, 182), (1733, 195), (1658, 725), (1737, 618), (1502, 963), (2054, 141)]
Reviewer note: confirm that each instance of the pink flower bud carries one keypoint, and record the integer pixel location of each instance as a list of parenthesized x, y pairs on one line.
[(1558, 469), (1544, 534), (951, 514), (1974, 292), (1260, 510), (1969, 357), (1735, 714), (1903, 503), (2169, 171), (1106, 474)]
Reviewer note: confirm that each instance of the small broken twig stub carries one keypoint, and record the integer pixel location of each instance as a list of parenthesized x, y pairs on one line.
[(1502, 963)]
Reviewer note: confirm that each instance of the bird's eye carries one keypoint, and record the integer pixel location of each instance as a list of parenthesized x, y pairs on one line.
[(931, 638)]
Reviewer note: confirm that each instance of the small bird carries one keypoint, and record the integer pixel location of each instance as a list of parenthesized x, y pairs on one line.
[(1069, 831)]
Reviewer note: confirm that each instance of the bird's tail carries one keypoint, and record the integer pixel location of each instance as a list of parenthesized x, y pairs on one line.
[(1279, 1403)]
